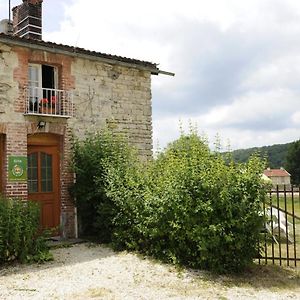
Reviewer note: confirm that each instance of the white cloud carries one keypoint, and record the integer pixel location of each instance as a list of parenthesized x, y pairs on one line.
[(265, 107), (240, 139), (235, 138), (138, 28), (165, 127), (283, 71), (236, 62), (296, 118)]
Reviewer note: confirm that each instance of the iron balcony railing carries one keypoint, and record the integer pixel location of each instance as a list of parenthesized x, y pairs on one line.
[(49, 102)]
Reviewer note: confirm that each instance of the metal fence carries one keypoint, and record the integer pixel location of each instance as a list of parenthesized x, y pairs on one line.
[(280, 238)]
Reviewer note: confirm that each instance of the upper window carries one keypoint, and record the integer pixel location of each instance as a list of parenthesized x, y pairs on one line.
[(42, 88), (42, 76), (43, 96)]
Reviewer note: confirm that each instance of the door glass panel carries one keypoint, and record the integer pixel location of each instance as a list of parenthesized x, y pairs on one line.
[(33, 74), (46, 172), (32, 173)]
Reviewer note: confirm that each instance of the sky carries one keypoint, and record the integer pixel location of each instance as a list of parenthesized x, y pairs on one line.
[(237, 63)]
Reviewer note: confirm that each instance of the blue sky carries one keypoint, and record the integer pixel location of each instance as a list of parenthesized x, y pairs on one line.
[(237, 63)]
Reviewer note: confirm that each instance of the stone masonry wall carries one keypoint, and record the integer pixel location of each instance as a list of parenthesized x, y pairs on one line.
[(8, 86), (117, 96)]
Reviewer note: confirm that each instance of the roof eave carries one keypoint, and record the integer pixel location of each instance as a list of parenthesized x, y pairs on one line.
[(53, 49)]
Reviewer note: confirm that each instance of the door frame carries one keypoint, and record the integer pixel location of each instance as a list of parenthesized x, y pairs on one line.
[(49, 140)]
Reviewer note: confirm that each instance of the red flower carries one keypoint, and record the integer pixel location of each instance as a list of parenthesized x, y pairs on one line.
[(44, 101), (53, 99)]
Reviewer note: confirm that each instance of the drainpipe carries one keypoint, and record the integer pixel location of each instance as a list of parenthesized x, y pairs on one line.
[(75, 222), (75, 213)]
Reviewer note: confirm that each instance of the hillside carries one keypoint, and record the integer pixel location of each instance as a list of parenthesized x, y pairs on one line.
[(275, 154)]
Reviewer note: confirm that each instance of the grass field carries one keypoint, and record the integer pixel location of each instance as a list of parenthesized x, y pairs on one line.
[(283, 248), (289, 204)]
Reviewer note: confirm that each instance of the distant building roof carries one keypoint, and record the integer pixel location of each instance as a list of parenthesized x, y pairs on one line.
[(277, 173), (265, 178)]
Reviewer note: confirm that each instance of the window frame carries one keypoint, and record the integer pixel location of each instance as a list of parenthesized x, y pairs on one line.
[(40, 75)]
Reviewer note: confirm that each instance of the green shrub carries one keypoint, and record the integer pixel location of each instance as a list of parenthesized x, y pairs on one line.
[(20, 237), (95, 210), (188, 206)]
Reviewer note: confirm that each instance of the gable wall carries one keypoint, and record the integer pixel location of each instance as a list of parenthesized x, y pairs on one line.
[(119, 97), (279, 180)]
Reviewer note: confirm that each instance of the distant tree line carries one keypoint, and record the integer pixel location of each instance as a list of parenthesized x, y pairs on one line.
[(280, 155), (275, 154), (293, 162)]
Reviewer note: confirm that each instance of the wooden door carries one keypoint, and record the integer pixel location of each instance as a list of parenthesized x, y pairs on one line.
[(43, 181)]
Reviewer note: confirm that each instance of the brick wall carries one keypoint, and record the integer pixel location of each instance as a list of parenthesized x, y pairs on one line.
[(16, 144), (67, 204)]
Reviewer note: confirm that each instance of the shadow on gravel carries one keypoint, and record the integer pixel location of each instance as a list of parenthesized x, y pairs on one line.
[(257, 277), (63, 256)]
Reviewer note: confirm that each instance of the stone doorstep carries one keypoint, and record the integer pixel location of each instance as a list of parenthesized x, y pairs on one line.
[(57, 242)]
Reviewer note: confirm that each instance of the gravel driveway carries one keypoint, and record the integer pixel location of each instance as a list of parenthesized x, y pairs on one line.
[(87, 271)]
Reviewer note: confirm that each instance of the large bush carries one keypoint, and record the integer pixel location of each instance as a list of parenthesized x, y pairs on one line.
[(20, 235), (188, 206), (96, 211)]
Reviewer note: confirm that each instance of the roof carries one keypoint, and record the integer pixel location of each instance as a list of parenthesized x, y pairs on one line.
[(76, 51), (276, 173), (265, 178)]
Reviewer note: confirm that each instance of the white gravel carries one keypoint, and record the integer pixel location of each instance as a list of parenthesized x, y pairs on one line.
[(95, 272)]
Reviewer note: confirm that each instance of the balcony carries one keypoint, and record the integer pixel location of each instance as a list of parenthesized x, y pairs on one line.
[(48, 102)]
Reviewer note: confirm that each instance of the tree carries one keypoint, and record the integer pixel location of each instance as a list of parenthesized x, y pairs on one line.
[(293, 162)]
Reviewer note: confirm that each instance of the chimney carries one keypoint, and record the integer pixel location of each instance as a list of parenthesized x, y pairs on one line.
[(27, 19)]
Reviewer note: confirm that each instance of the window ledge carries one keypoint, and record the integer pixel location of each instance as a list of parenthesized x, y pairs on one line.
[(47, 115)]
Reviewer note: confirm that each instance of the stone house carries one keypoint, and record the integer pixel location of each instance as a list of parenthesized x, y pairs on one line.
[(279, 177), (50, 93)]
